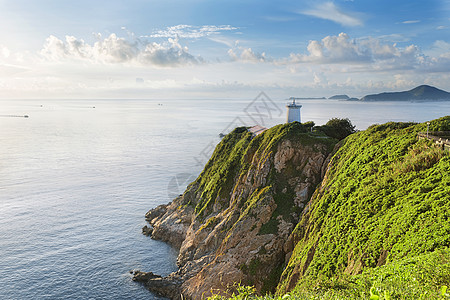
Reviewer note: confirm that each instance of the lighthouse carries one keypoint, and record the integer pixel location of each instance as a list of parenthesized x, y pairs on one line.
[(293, 111)]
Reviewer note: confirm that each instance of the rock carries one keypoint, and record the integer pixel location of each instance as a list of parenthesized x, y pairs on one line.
[(166, 287), (156, 212), (147, 230), (143, 276)]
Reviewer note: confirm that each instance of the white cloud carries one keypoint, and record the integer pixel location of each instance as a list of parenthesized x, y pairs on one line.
[(319, 78), (441, 47), (189, 31), (109, 66), (333, 49), (246, 55), (329, 11), (371, 52), (4, 52), (223, 40), (411, 22), (113, 49)]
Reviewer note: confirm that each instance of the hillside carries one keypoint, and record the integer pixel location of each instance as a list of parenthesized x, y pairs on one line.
[(233, 223), (385, 199), (420, 93), (283, 210)]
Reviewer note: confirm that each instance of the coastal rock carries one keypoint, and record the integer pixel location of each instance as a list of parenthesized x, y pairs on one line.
[(147, 230), (233, 223), (167, 287), (170, 223)]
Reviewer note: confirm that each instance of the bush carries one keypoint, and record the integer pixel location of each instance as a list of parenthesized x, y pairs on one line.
[(337, 128)]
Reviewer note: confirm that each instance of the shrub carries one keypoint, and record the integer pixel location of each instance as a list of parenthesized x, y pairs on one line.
[(338, 128)]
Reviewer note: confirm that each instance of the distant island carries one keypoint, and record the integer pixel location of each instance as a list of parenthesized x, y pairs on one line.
[(420, 93), (339, 97)]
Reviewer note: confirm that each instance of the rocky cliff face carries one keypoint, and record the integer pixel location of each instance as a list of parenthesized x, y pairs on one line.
[(233, 223)]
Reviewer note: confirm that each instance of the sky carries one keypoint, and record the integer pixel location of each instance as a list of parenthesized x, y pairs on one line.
[(195, 49)]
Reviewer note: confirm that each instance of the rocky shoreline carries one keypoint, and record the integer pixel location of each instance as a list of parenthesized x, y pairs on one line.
[(163, 286)]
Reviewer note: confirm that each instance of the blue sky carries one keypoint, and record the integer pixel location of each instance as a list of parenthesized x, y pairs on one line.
[(216, 49)]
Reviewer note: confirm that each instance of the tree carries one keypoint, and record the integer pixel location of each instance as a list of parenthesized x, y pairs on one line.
[(338, 128), (309, 125)]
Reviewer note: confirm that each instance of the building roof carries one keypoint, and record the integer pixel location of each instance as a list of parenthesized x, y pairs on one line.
[(257, 129)]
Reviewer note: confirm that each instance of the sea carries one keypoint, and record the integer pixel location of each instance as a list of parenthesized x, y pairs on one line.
[(78, 176)]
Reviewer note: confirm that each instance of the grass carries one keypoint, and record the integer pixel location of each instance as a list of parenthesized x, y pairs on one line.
[(377, 228), (386, 197), (425, 276), (233, 156)]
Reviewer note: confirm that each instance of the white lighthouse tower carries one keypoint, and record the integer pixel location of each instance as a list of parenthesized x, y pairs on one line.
[(293, 111)]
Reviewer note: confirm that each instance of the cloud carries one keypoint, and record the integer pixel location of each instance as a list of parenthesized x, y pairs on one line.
[(411, 22), (191, 32), (114, 66), (11, 70), (333, 49), (329, 11), (247, 55), (223, 40), (441, 46), (113, 49), (4, 52), (341, 54), (342, 49), (439, 60)]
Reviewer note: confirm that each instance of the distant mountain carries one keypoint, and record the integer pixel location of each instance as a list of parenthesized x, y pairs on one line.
[(423, 92), (339, 97)]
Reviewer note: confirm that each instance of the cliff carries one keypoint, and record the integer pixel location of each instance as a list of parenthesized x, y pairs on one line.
[(233, 223), (420, 93), (379, 219), (284, 210)]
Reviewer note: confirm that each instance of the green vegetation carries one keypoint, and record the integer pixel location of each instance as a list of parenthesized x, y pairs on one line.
[(217, 179), (337, 128), (378, 227), (386, 197), (233, 156), (423, 277)]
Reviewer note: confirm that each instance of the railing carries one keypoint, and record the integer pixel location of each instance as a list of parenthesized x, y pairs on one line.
[(441, 138)]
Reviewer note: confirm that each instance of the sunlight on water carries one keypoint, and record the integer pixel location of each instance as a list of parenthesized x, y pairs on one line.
[(77, 177)]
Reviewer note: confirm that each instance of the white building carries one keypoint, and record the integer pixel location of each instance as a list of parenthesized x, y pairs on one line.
[(293, 111)]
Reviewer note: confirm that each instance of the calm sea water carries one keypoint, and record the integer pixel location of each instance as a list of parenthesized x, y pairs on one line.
[(77, 177)]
